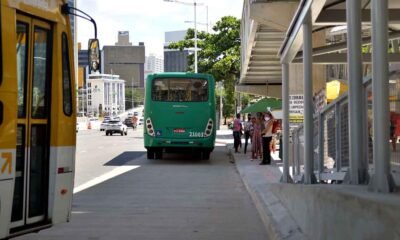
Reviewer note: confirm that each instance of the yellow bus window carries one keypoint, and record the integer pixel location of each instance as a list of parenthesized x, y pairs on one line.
[(40, 73), (67, 95), (22, 57)]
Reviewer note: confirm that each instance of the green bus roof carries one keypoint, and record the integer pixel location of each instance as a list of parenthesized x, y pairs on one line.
[(179, 74)]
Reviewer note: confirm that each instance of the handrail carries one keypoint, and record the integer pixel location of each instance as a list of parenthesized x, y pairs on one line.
[(333, 140), (366, 82)]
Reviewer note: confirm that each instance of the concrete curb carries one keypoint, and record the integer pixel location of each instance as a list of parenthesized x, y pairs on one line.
[(274, 215)]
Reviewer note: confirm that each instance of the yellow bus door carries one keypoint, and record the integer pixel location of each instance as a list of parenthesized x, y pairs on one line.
[(34, 52)]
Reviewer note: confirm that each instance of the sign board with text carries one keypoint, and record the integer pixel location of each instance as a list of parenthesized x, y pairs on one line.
[(296, 110)]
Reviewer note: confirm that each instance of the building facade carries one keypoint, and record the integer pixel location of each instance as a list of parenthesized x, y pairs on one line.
[(153, 64), (106, 95), (125, 60), (174, 59), (82, 72)]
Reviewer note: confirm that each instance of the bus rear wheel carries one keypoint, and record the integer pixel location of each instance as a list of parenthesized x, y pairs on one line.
[(205, 155), (159, 154), (150, 154)]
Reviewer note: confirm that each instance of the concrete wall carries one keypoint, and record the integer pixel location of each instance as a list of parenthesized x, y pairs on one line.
[(296, 73), (261, 90), (127, 62), (341, 212)]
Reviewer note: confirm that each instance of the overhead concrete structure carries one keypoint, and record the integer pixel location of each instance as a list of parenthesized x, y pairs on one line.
[(263, 29)]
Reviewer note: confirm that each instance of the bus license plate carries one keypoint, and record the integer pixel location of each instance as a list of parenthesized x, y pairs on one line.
[(196, 134), (179, 130)]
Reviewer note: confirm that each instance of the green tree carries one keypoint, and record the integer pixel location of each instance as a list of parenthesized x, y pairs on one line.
[(245, 99), (219, 55), (138, 97)]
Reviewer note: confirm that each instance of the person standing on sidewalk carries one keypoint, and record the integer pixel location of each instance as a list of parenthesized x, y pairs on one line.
[(247, 129), (266, 138), (237, 129), (256, 143)]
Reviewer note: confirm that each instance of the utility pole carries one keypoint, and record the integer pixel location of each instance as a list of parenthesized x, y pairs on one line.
[(132, 91), (220, 103)]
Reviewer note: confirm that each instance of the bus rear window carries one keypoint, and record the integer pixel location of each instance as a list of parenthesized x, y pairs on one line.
[(180, 90)]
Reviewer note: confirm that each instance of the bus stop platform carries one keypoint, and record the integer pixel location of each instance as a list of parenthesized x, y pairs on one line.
[(258, 180), (319, 211)]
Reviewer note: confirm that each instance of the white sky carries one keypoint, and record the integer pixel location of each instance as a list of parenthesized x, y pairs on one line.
[(148, 20)]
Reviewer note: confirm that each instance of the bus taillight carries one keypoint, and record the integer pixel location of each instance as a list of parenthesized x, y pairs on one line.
[(149, 127), (209, 128)]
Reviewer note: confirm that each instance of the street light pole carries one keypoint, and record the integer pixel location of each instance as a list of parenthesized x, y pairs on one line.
[(132, 91), (195, 38), (220, 103), (207, 16), (207, 23), (195, 27)]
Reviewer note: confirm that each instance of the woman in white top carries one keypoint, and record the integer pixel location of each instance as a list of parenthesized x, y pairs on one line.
[(266, 138)]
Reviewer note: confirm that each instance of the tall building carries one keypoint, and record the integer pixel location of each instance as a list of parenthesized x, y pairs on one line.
[(174, 59), (154, 64), (106, 95), (125, 60), (72, 19), (123, 39), (82, 72), (73, 23)]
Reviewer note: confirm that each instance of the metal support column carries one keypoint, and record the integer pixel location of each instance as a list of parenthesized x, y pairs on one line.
[(321, 135), (358, 165), (338, 140), (382, 180), (309, 177), (285, 105), (293, 156), (297, 152)]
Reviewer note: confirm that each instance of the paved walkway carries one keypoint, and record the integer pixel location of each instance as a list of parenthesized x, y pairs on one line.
[(257, 179)]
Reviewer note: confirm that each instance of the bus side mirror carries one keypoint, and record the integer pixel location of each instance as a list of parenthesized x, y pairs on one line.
[(94, 55)]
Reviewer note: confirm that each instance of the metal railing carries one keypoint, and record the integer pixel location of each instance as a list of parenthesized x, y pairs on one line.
[(331, 141)]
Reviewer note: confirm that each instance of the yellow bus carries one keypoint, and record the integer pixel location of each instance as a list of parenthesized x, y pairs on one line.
[(37, 116)]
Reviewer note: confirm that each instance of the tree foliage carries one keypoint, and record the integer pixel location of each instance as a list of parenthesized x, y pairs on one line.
[(218, 54), (138, 97)]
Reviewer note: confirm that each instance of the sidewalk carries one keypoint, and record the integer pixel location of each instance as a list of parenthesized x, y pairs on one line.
[(258, 179)]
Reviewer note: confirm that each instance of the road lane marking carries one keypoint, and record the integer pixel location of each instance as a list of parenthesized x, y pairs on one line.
[(79, 212), (111, 174)]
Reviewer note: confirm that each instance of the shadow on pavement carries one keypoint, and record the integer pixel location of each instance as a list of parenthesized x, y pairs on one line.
[(179, 159), (124, 158)]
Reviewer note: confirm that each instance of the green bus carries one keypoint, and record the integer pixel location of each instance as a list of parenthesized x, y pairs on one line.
[(179, 114)]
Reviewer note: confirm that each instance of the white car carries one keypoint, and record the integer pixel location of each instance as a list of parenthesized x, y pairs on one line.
[(141, 121), (115, 126), (103, 125)]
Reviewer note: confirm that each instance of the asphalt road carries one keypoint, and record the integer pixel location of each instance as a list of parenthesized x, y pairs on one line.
[(122, 195)]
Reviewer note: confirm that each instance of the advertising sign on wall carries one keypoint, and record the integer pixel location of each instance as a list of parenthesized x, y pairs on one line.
[(296, 110)]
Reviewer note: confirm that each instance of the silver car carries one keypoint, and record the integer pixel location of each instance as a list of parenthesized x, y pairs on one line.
[(103, 125), (114, 126)]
